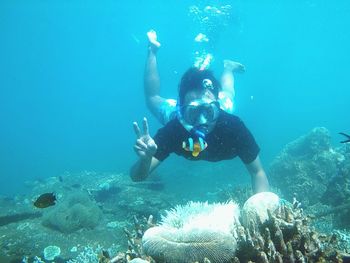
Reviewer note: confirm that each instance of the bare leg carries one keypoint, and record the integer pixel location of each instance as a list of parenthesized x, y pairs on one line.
[(151, 77), (227, 78)]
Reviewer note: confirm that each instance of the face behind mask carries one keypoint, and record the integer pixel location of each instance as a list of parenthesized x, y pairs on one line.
[(200, 114)]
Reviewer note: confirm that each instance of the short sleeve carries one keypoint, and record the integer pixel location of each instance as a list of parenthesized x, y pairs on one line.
[(163, 141), (248, 149), (168, 111)]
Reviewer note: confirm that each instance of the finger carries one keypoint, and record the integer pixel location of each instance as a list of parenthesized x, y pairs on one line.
[(137, 148), (137, 129), (141, 144), (145, 126), (139, 151)]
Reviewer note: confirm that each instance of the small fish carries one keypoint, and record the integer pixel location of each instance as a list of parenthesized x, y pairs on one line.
[(195, 147), (347, 137), (45, 200)]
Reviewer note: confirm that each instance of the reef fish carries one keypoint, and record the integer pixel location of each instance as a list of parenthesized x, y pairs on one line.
[(45, 200), (347, 137), (195, 147)]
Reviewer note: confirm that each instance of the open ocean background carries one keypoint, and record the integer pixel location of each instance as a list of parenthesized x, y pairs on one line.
[(71, 81)]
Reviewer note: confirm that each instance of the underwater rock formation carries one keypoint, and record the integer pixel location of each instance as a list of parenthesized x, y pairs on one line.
[(305, 167), (193, 232)]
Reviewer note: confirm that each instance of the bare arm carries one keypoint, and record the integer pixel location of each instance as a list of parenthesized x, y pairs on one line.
[(142, 168), (260, 182), (151, 77)]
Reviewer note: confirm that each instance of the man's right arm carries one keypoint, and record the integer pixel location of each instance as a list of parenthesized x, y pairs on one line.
[(145, 148), (142, 168)]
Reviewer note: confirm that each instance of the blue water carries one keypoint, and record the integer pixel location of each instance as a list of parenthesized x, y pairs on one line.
[(71, 75)]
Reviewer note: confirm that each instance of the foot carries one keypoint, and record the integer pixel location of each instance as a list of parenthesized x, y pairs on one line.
[(154, 45), (233, 66)]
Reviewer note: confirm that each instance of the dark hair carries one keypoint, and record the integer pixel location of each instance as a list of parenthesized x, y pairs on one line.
[(192, 80)]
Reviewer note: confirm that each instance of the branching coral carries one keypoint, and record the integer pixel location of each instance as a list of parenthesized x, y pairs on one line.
[(285, 237)]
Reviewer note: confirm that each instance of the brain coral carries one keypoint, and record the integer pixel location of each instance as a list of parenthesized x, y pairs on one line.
[(255, 208), (193, 232)]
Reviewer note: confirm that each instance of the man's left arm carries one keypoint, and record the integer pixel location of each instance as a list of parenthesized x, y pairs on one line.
[(258, 175)]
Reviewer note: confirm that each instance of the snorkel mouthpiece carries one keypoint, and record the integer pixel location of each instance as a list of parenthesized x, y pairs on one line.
[(207, 84)]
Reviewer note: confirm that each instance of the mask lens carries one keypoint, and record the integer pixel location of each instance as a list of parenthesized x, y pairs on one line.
[(197, 114)]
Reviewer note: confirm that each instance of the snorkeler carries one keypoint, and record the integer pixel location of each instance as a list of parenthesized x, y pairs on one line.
[(165, 109), (197, 128)]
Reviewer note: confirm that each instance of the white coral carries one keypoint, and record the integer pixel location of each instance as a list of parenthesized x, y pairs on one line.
[(192, 232), (256, 207)]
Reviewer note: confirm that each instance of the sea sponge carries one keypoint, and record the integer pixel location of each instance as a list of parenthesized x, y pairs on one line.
[(193, 232), (255, 208)]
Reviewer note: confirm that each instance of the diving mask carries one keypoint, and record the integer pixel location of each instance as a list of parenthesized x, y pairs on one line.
[(200, 112)]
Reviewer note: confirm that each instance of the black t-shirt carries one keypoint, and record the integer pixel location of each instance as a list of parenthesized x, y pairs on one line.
[(229, 138)]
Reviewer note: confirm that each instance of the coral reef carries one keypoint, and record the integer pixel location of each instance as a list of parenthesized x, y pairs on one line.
[(285, 236), (337, 193), (317, 174), (305, 166), (282, 235), (27, 230)]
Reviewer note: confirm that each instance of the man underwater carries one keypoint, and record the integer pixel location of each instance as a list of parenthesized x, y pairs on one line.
[(199, 126)]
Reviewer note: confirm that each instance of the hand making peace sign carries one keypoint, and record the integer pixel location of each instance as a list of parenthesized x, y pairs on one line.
[(145, 147)]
